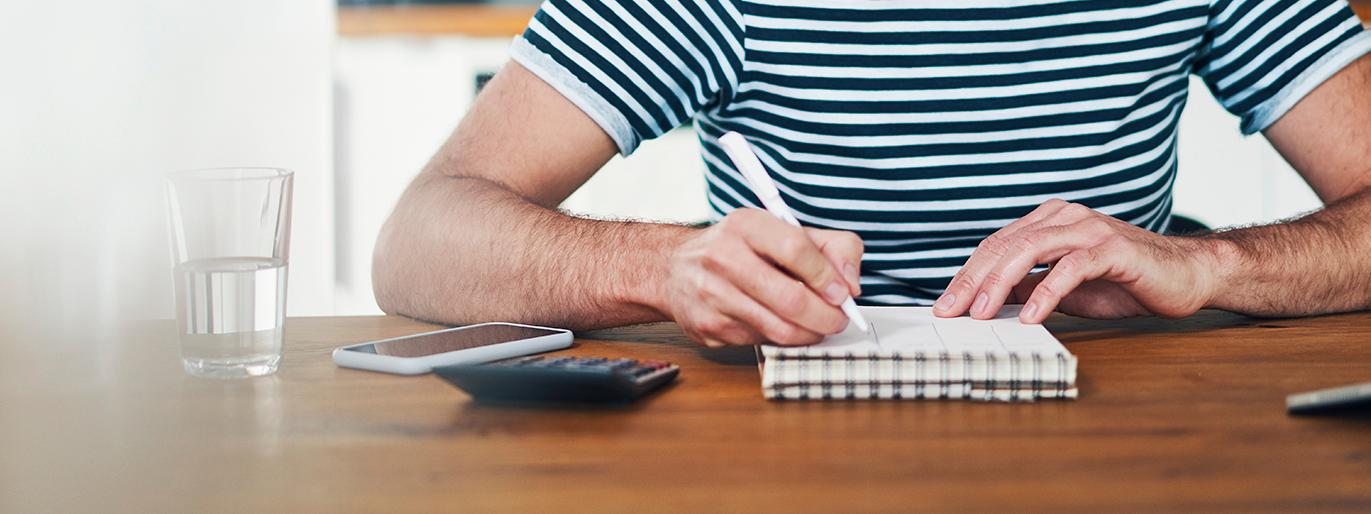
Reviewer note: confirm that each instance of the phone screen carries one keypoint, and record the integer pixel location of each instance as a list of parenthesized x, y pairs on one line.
[(432, 343)]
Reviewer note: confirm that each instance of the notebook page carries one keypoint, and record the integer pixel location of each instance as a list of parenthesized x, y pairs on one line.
[(914, 330)]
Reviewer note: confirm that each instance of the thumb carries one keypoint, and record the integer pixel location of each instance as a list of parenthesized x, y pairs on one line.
[(843, 249)]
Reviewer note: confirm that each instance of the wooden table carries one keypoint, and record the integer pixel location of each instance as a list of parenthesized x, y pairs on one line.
[(1174, 416)]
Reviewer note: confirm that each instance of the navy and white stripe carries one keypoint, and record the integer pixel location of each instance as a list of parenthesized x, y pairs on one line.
[(924, 126)]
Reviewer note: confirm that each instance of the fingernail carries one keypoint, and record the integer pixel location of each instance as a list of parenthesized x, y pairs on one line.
[(1029, 311), (853, 277), (980, 305), (945, 302), (835, 293)]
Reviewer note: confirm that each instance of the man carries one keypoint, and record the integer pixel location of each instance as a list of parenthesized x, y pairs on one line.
[(910, 137)]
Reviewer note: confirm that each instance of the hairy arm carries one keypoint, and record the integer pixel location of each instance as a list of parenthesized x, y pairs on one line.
[(1320, 262), (475, 237)]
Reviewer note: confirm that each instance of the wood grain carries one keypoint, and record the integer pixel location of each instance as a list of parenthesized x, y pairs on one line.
[(472, 20), (1174, 416), (476, 20)]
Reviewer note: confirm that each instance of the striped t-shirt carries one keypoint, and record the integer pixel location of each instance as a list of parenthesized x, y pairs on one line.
[(925, 125)]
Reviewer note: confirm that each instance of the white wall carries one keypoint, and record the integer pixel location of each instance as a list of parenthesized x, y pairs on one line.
[(400, 97), (1226, 179), (397, 99), (100, 98)]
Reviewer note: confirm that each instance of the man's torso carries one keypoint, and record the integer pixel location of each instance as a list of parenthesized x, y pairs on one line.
[(926, 129)]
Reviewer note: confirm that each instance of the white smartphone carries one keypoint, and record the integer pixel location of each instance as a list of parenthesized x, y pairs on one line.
[(474, 344)]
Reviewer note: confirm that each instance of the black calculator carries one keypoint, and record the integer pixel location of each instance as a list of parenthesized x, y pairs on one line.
[(560, 379)]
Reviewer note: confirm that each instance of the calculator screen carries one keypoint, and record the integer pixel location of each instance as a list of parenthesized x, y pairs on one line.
[(444, 341)]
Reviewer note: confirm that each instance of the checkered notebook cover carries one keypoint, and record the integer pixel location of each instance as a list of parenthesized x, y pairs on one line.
[(916, 355)]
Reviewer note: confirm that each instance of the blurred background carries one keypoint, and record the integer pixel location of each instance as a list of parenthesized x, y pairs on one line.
[(100, 99)]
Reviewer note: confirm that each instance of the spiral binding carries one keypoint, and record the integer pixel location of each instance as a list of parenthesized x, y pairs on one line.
[(1003, 376)]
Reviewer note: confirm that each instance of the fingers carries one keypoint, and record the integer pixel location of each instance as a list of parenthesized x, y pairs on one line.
[(735, 317), (791, 249), (728, 332), (737, 335), (1003, 259), (1021, 292), (844, 250), (778, 295), (753, 278), (1065, 276), (1028, 248), (961, 291)]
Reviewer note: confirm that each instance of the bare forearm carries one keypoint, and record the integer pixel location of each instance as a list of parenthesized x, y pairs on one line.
[(1316, 264), (461, 250)]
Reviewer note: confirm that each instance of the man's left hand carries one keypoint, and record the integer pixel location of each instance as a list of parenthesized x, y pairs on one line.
[(1099, 267)]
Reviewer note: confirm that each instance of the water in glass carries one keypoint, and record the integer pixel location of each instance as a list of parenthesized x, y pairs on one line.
[(230, 311)]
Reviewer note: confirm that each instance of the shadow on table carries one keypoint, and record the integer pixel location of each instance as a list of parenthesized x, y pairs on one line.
[(661, 333), (1071, 329), (473, 407), (1062, 325), (1344, 418), (670, 334)]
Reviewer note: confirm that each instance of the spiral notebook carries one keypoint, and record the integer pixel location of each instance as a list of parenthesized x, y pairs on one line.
[(919, 356)]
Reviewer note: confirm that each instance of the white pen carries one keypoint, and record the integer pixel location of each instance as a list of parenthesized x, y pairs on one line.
[(740, 152)]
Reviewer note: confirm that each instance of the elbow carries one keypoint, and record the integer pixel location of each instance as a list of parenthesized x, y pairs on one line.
[(386, 277), (381, 291)]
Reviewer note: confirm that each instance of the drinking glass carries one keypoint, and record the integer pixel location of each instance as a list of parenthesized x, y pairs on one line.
[(230, 244)]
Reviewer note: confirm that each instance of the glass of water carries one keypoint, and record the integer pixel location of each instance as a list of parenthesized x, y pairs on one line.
[(230, 242)]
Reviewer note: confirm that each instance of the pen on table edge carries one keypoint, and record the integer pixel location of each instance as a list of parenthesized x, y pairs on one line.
[(740, 152)]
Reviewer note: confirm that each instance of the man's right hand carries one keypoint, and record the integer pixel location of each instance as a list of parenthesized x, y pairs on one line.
[(482, 217), (752, 278)]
